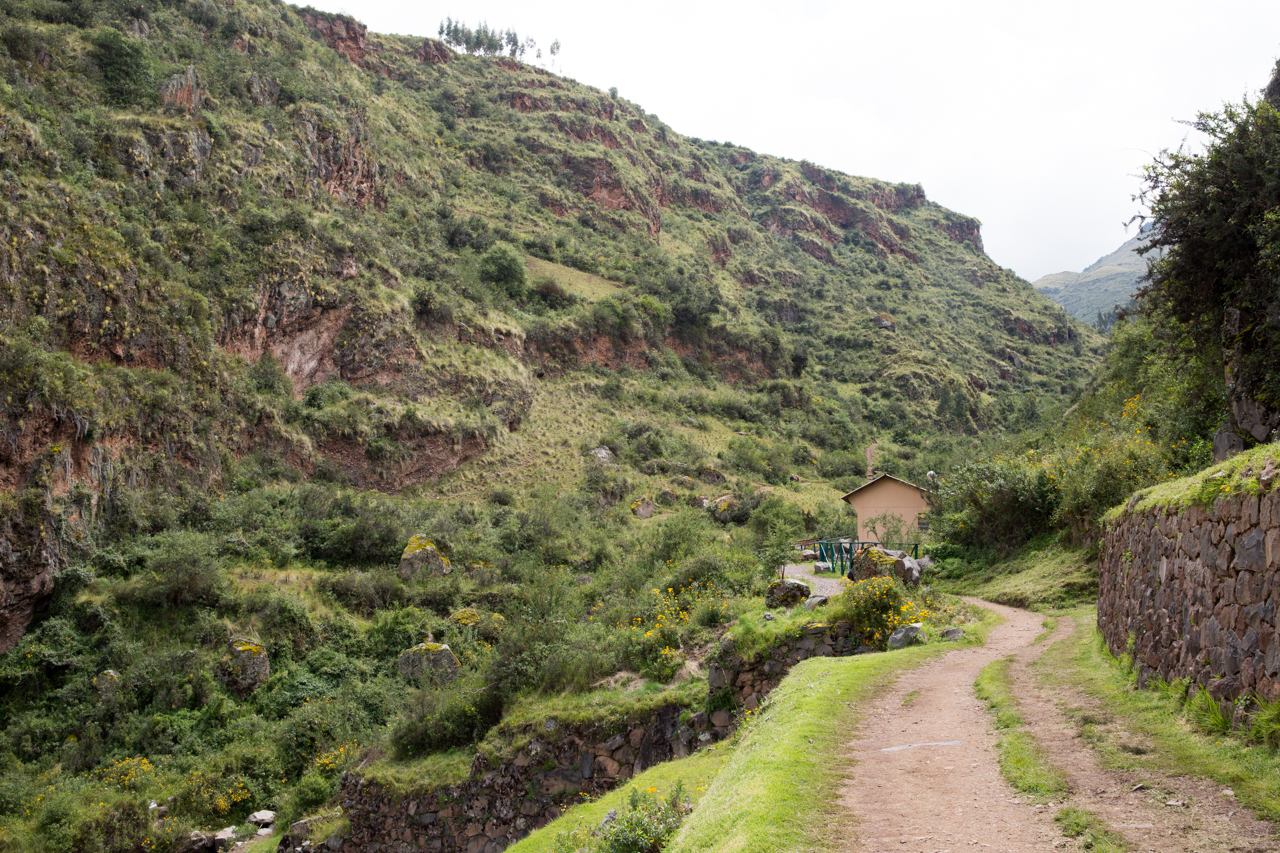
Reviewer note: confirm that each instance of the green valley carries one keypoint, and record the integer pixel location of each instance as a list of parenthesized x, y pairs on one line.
[(406, 441)]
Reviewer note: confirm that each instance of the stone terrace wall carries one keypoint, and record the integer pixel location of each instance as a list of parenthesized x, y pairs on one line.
[(1197, 590), (497, 807), (751, 681)]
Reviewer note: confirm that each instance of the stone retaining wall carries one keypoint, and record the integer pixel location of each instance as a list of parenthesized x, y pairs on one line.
[(1196, 590), (497, 807), (750, 681)]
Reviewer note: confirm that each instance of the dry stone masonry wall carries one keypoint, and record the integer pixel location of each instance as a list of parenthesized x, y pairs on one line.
[(1196, 590), (496, 807)]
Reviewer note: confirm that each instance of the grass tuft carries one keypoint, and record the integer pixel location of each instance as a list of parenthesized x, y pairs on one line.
[(1093, 832)]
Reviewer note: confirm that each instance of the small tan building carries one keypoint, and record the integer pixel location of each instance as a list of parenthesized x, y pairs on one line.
[(889, 495)]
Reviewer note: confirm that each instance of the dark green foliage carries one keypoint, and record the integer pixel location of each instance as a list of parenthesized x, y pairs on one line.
[(182, 568), (995, 505), (127, 77), (442, 718), (1214, 219), (503, 267)]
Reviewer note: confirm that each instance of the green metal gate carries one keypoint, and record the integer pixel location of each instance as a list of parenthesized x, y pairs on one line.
[(839, 552)]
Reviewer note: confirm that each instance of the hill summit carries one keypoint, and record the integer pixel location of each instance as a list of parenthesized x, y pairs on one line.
[(1111, 280)]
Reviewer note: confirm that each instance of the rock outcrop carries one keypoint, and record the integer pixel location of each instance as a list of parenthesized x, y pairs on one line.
[(421, 555), (246, 667), (434, 660)]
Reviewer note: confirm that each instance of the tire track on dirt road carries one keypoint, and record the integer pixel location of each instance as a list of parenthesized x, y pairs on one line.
[(925, 776)]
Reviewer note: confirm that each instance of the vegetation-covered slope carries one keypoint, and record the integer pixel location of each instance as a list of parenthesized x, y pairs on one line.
[(1092, 293)]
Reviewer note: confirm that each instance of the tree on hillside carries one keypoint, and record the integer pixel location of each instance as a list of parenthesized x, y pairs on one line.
[(1217, 221), (488, 41)]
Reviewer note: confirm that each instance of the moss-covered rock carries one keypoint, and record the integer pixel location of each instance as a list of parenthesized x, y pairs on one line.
[(787, 592), (246, 666), (429, 659), (421, 555), (487, 625)]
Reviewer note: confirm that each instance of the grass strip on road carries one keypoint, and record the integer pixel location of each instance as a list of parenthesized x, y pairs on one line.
[(1082, 661), (1091, 830), (1023, 763), (777, 791)]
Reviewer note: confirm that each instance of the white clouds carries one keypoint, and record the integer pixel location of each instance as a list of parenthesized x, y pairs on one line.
[(1035, 118)]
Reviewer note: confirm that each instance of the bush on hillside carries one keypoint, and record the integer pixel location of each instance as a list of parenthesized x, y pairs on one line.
[(995, 505), (503, 267), (182, 569)]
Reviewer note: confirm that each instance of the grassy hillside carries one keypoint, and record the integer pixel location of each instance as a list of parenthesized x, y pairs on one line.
[(1111, 280), (277, 293)]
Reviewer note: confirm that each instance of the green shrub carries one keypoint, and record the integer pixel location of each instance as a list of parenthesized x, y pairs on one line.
[(998, 504), (439, 718), (182, 569), (503, 266), (646, 826), (127, 77), (313, 790)]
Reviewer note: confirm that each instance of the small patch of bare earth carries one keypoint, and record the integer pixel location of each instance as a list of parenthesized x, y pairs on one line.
[(824, 584), (925, 777)]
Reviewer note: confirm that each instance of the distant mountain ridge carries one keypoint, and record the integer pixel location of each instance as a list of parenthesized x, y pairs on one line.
[(1109, 281)]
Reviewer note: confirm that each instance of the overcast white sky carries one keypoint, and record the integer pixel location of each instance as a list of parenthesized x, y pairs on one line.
[(1036, 118)]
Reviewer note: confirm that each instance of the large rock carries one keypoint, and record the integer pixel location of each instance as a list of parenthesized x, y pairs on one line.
[(106, 683), (815, 601), (604, 456), (872, 562), (224, 838), (952, 635), (907, 571), (907, 635), (421, 555), (266, 817), (643, 508), (711, 476), (787, 592), (1226, 443), (667, 497), (724, 507), (429, 659), (808, 554), (246, 667)]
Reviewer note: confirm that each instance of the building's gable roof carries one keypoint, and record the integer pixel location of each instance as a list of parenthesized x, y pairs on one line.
[(878, 479)]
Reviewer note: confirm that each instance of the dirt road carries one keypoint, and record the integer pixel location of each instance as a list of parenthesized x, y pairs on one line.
[(925, 777), (824, 584)]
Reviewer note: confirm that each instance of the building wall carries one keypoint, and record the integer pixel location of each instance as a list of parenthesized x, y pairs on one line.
[(889, 496)]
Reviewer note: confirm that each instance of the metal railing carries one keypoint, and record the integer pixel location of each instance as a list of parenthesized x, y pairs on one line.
[(839, 553)]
